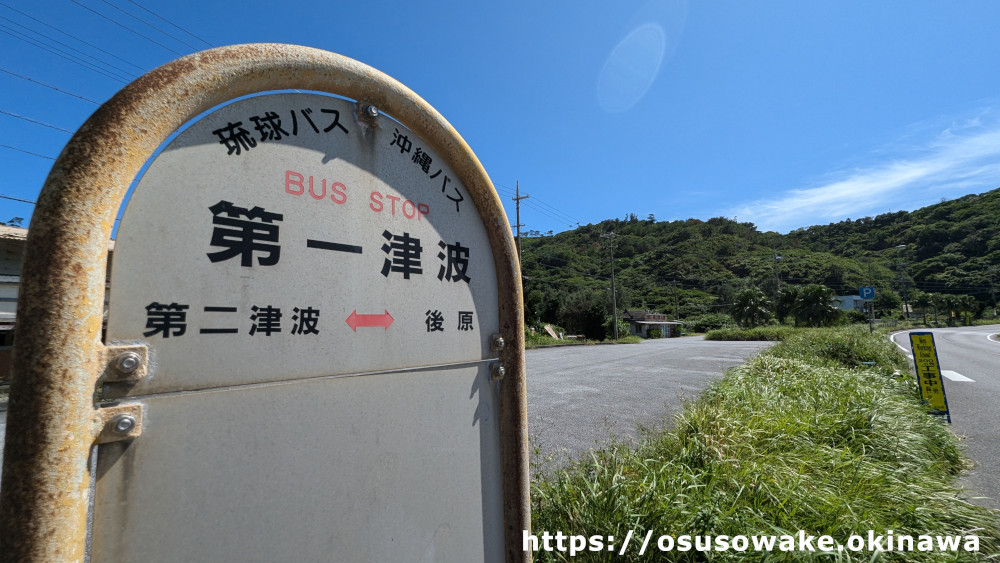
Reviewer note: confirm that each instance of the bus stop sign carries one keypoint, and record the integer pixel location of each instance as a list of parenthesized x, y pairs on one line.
[(313, 346)]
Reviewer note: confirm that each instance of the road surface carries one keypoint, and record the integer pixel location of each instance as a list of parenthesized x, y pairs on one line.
[(969, 358), (581, 397)]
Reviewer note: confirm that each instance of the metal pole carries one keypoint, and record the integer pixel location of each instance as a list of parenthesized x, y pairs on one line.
[(52, 421), (777, 278), (517, 215), (871, 316), (871, 306), (677, 315), (614, 294)]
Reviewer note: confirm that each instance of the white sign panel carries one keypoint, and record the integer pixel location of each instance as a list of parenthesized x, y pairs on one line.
[(279, 238), (317, 295)]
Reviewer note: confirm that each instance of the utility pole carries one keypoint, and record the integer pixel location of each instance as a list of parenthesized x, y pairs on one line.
[(871, 304), (901, 266), (614, 295), (517, 206), (993, 293), (677, 315), (777, 278)]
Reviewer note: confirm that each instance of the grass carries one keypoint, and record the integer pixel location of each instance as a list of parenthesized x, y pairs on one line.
[(538, 340), (798, 438), (771, 333), (846, 347)]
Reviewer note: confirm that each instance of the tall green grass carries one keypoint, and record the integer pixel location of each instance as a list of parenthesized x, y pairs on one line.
[(795, 439), (771, 333)]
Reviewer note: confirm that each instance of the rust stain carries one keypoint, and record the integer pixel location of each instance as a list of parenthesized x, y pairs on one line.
[(58, 355)]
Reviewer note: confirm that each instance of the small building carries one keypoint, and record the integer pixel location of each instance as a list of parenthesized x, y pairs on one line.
[(850, 303), (640, 323), (12, 240)]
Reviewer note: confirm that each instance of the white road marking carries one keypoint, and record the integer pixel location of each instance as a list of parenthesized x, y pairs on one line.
[(951, 375), (955, 376)]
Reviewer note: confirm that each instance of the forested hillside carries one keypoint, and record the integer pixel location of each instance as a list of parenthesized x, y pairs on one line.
[(689, 269)]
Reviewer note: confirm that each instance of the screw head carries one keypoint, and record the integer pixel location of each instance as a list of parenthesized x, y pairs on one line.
[(122, 424), (497, 372), (372, 111), (128, 362)]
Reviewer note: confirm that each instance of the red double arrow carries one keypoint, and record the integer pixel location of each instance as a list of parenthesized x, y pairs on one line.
[(356, 320)]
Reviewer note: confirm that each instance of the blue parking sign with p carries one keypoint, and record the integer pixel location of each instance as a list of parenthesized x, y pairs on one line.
[(867, 292)]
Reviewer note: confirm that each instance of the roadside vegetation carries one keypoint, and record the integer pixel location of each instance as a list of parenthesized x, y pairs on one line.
[(940, 263), (771, 333), (536, 336), (819, 434)]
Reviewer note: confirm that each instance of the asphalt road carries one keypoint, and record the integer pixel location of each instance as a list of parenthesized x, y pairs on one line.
[(968, 359), (581, 397)]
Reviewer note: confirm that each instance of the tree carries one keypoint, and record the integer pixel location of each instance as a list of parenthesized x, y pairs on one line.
[(940, 303), (966, 304), (583, 312), (751, 308), (886, 300), (785, 302), (816, 306), (921, 301)]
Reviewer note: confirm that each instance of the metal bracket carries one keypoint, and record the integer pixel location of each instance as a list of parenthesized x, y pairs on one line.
[(126, 363), (121, 422)]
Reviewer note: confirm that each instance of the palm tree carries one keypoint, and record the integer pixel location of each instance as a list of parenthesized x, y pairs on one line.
[(816, 305), (940, 303), (953, 307), (751, 308), (966, 304), (785, 302), (921, 300)]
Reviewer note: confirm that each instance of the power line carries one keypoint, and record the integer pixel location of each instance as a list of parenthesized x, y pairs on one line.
[(169, 22), (16, 199), (28, 119), (192, 47), (28, 152), (91, 45), (51, 87), (59, 53), (566, 216), (574, 272), (127, 28), (70, 47), (535, 203), (546, 208)]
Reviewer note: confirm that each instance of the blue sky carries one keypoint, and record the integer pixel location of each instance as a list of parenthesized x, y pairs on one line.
[(782, 113)]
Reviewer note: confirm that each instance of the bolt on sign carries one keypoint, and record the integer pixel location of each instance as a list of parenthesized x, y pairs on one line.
[(928, 369), (313, 346)]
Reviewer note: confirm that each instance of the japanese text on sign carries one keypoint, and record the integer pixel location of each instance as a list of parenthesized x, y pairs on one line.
[(308, 233), (925, 361)]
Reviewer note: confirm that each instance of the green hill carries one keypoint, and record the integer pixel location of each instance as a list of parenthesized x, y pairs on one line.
[(693, 268)]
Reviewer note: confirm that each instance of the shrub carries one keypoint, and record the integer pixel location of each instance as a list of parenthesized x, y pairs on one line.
[(852, 347), (707, 322), (768, 333)]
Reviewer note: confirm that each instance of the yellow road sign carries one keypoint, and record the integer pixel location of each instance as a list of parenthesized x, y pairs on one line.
[(925, 361)]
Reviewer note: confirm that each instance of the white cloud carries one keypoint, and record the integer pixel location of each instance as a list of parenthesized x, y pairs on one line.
[(963, 158)]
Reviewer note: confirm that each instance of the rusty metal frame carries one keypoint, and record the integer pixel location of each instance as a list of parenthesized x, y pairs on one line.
[(52, 421)]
